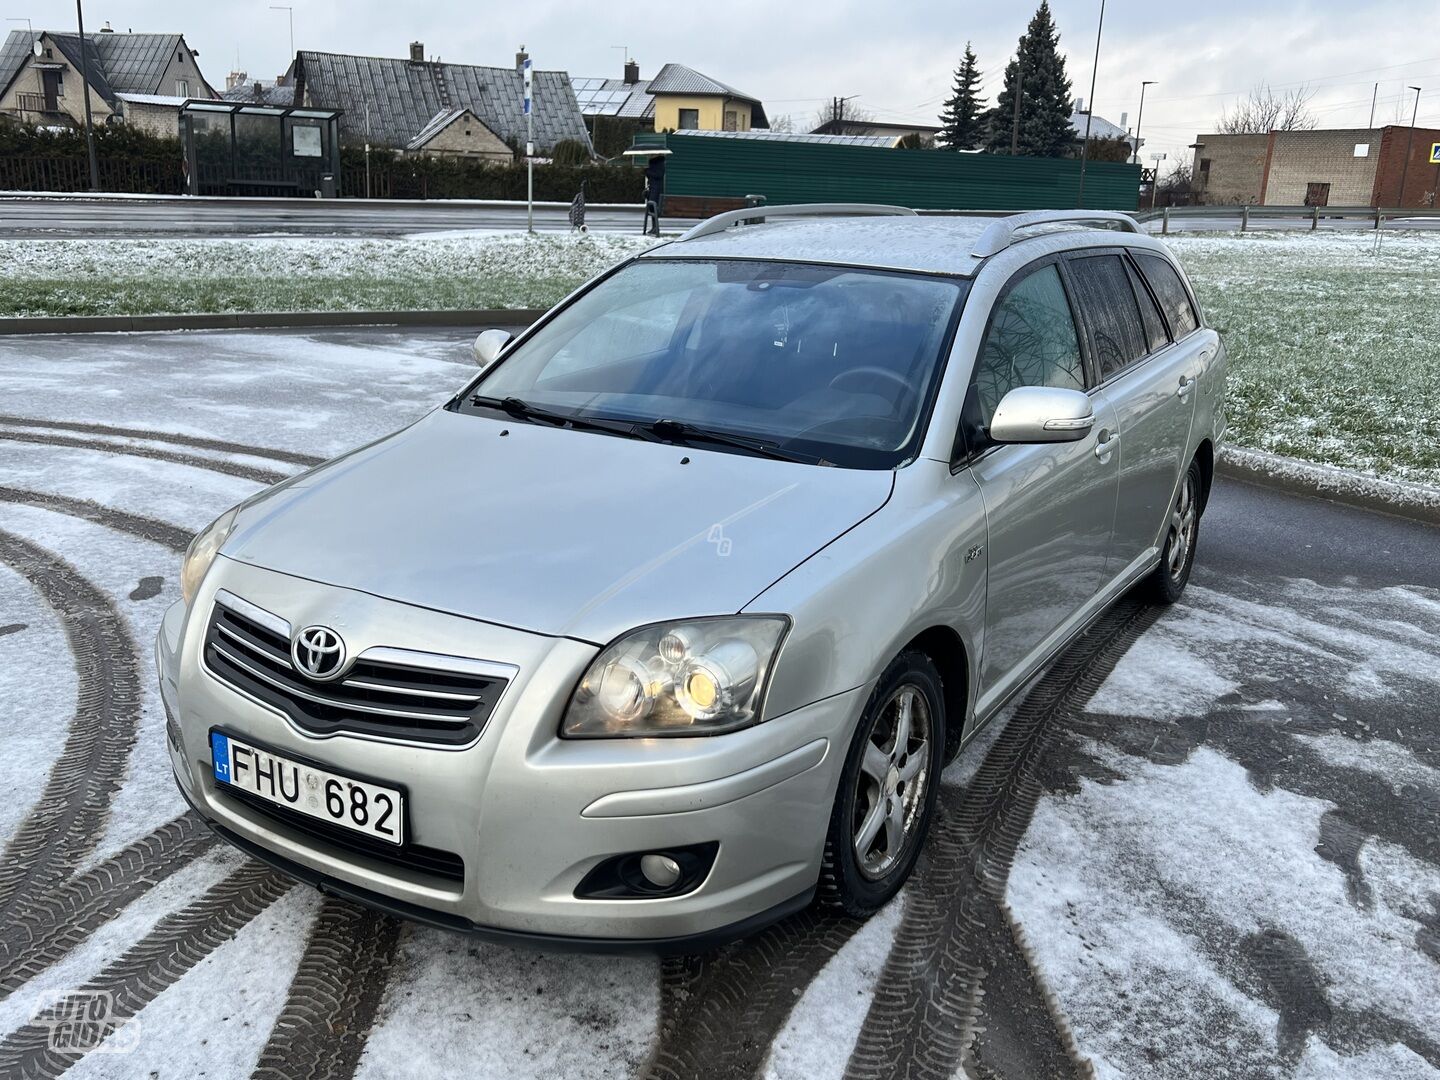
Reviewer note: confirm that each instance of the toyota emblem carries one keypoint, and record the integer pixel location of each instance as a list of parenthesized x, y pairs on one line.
[(318, 652)]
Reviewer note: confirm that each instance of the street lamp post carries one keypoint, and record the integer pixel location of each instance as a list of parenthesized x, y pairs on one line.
[(1409, 143), (1139, 118), (1090, 109), (290, 13), (85, 90)]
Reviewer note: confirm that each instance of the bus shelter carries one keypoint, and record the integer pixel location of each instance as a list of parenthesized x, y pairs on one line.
[(237, 148)]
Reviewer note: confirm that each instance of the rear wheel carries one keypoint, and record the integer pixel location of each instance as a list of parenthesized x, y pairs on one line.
[(887, 789), (1171, 576)]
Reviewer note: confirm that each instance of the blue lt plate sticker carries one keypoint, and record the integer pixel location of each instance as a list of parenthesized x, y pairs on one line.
[(220, 755)]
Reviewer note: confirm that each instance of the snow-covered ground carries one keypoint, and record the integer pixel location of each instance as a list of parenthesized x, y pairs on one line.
[(1334, 343), (98, 276), (1231, 866)]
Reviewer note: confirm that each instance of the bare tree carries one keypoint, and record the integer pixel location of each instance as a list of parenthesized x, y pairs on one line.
[(784, 122), (841, 109), (1262, 110)]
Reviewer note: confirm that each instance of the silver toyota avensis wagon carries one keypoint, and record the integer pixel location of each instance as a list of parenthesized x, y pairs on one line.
[(670, 619)]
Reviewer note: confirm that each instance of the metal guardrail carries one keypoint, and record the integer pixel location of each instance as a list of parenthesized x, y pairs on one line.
[(1304, 215)]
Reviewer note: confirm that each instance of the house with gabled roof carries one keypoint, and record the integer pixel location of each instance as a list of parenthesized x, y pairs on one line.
[(428, 106), (678, 98), (40, 74)]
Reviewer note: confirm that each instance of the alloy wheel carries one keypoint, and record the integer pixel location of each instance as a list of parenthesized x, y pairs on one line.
[(1184, 523), (890, 799)]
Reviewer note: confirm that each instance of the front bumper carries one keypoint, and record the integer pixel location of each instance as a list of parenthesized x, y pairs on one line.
[(527, 813)]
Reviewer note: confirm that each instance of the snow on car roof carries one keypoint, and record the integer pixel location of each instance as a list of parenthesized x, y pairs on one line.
[(928, 243), (940, 245)]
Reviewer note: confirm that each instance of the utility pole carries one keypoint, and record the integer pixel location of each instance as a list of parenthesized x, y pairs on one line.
[(1409, 143), (1139, 117), (290, 11), (85, 88), (1090, 110), (1374, 94), (367, 149), (1019, 89)]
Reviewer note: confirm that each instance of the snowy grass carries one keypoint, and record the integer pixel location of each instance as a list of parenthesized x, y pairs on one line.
[(1334, 343), (168, 276)]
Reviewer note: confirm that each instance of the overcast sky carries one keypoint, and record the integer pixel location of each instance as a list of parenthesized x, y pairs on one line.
[(897, 57)]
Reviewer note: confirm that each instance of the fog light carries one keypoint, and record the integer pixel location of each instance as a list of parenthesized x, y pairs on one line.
[(660, 870)]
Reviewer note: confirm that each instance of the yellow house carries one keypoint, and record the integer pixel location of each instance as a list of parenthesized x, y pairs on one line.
[(678, 98), (686, 100)]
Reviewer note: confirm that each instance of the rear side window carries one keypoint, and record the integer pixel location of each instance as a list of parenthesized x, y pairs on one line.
[(1031, 342), (1107, 303), (1174, 300), (1149, 314)]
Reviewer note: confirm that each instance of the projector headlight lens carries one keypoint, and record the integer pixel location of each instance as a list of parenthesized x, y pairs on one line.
[(701, 677)]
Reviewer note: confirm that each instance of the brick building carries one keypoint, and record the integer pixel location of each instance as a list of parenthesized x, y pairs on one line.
[(1336, 167)]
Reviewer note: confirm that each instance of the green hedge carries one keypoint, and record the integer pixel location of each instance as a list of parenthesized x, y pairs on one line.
[(395, 177)]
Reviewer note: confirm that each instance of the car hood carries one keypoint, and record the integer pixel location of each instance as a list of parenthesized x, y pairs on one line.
[(556, 531)]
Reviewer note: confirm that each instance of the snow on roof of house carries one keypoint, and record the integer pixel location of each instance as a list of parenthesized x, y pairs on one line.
[(271, 93), (404, 96), (1100, 128), (153, 99), (118, 63), (886, 141), (438, 123)]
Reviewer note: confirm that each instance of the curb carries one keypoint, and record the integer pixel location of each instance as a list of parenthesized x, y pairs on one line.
[(1415, 502), (265, 320)]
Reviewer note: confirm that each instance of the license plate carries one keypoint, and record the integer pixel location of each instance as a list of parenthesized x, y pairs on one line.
[(370, 809)]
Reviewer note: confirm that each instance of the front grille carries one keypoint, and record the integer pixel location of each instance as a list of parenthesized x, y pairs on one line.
[(375, 697), (432, 861)]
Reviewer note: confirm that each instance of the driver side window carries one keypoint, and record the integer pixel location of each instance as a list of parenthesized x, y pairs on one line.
[(1031, 341)]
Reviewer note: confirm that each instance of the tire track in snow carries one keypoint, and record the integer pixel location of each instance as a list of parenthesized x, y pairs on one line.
[(52, 924), (69, 817), (154, 963), (720, 1012), (158, 532), (334, 996), (196, 441), (229, 468), (959, 989)]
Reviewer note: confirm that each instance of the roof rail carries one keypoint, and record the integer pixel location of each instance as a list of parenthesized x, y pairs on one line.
[(1001, 234), (721, 222)]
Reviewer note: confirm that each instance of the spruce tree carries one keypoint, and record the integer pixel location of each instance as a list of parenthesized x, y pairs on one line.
[(1045, 103), (961, 126)]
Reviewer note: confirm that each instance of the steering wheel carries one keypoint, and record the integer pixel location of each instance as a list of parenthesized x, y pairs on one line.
[(868, 371)]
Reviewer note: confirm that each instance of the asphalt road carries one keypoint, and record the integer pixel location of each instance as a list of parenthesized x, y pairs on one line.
[(81, 217), (65, 218), (1203, 843)]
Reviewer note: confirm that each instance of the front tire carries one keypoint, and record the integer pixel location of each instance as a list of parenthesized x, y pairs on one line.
[(887, 789), (1169, 579)]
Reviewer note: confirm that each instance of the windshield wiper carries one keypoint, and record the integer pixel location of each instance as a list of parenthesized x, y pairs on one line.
[(679, 431), (524, 410)]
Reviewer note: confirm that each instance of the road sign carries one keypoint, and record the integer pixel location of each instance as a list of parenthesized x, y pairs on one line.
[(528, 98), (1435, 153)]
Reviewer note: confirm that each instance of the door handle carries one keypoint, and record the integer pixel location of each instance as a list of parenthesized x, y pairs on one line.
[(1186, 385), (1105, 444)]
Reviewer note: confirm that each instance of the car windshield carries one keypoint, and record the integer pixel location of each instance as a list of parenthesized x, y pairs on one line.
[(824, 362)]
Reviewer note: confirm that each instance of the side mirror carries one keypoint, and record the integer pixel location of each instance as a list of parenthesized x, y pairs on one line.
[(1042, 414), (489, 345)]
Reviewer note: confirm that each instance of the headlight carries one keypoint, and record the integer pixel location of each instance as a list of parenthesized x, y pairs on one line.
[(701, 677), (202, 551)]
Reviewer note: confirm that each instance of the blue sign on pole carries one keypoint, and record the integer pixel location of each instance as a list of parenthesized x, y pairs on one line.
[(527, 86)]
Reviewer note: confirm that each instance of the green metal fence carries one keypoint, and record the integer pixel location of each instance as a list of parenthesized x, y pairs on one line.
[(797, 172)]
